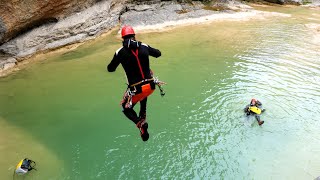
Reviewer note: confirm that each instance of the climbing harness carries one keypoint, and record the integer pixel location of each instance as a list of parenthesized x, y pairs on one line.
[(127, 97), (132, 90), (159, 84), (138, 61)]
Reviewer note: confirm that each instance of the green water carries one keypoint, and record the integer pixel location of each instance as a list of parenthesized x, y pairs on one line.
[(63, 112)]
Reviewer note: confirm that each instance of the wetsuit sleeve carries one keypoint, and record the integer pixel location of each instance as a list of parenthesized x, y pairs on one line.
[(114, 63), (246, 109), (154, 52), (259, 103)]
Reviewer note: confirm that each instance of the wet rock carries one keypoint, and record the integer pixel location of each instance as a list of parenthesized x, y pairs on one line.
[(8, 63)]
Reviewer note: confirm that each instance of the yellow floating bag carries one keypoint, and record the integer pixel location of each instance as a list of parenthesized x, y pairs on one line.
[(255, 109), (19, 164)]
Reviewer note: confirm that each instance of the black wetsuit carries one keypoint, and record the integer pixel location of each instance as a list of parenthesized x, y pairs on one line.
[(248, 112), (134, 58), (26, 164), (128, 60)]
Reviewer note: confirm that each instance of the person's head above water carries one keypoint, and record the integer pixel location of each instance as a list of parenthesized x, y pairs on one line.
[(127, 32), (253, 102)]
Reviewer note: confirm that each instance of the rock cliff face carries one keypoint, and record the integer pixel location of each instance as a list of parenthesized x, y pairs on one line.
[(54, 24), (20, 16)]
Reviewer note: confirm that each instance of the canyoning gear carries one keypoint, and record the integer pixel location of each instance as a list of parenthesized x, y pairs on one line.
[(159, 84), (141, 90), (156, 81), (19, 169), (24, 166), (134, 58), (137, 93), (255, 109), (136, 53), (253, 102), (146, 90), (143, 81), (132, 64), (127, 30)]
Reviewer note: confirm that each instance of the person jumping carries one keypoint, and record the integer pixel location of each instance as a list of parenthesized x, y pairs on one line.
[(134, 58)]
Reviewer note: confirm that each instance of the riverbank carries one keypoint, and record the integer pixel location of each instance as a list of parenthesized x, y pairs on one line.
[(103, 17)]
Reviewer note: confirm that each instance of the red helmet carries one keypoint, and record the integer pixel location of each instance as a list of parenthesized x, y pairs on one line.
[(127, 30), (253, 102)]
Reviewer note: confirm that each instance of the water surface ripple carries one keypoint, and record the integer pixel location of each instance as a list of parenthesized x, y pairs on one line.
[(281, 68), (66, 108)]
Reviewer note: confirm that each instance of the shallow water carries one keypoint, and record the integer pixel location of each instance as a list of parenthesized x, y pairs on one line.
[(63, 112)]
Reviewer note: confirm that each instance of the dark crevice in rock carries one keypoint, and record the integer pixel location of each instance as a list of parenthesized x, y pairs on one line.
[(123, 10), (36, 24)]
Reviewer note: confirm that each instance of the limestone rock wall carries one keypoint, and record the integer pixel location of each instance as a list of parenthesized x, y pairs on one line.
[(18, 16), (30, 26), (54, 24), (74, 28)]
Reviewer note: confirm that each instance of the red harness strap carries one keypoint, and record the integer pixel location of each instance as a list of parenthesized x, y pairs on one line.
[(138, 60)]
